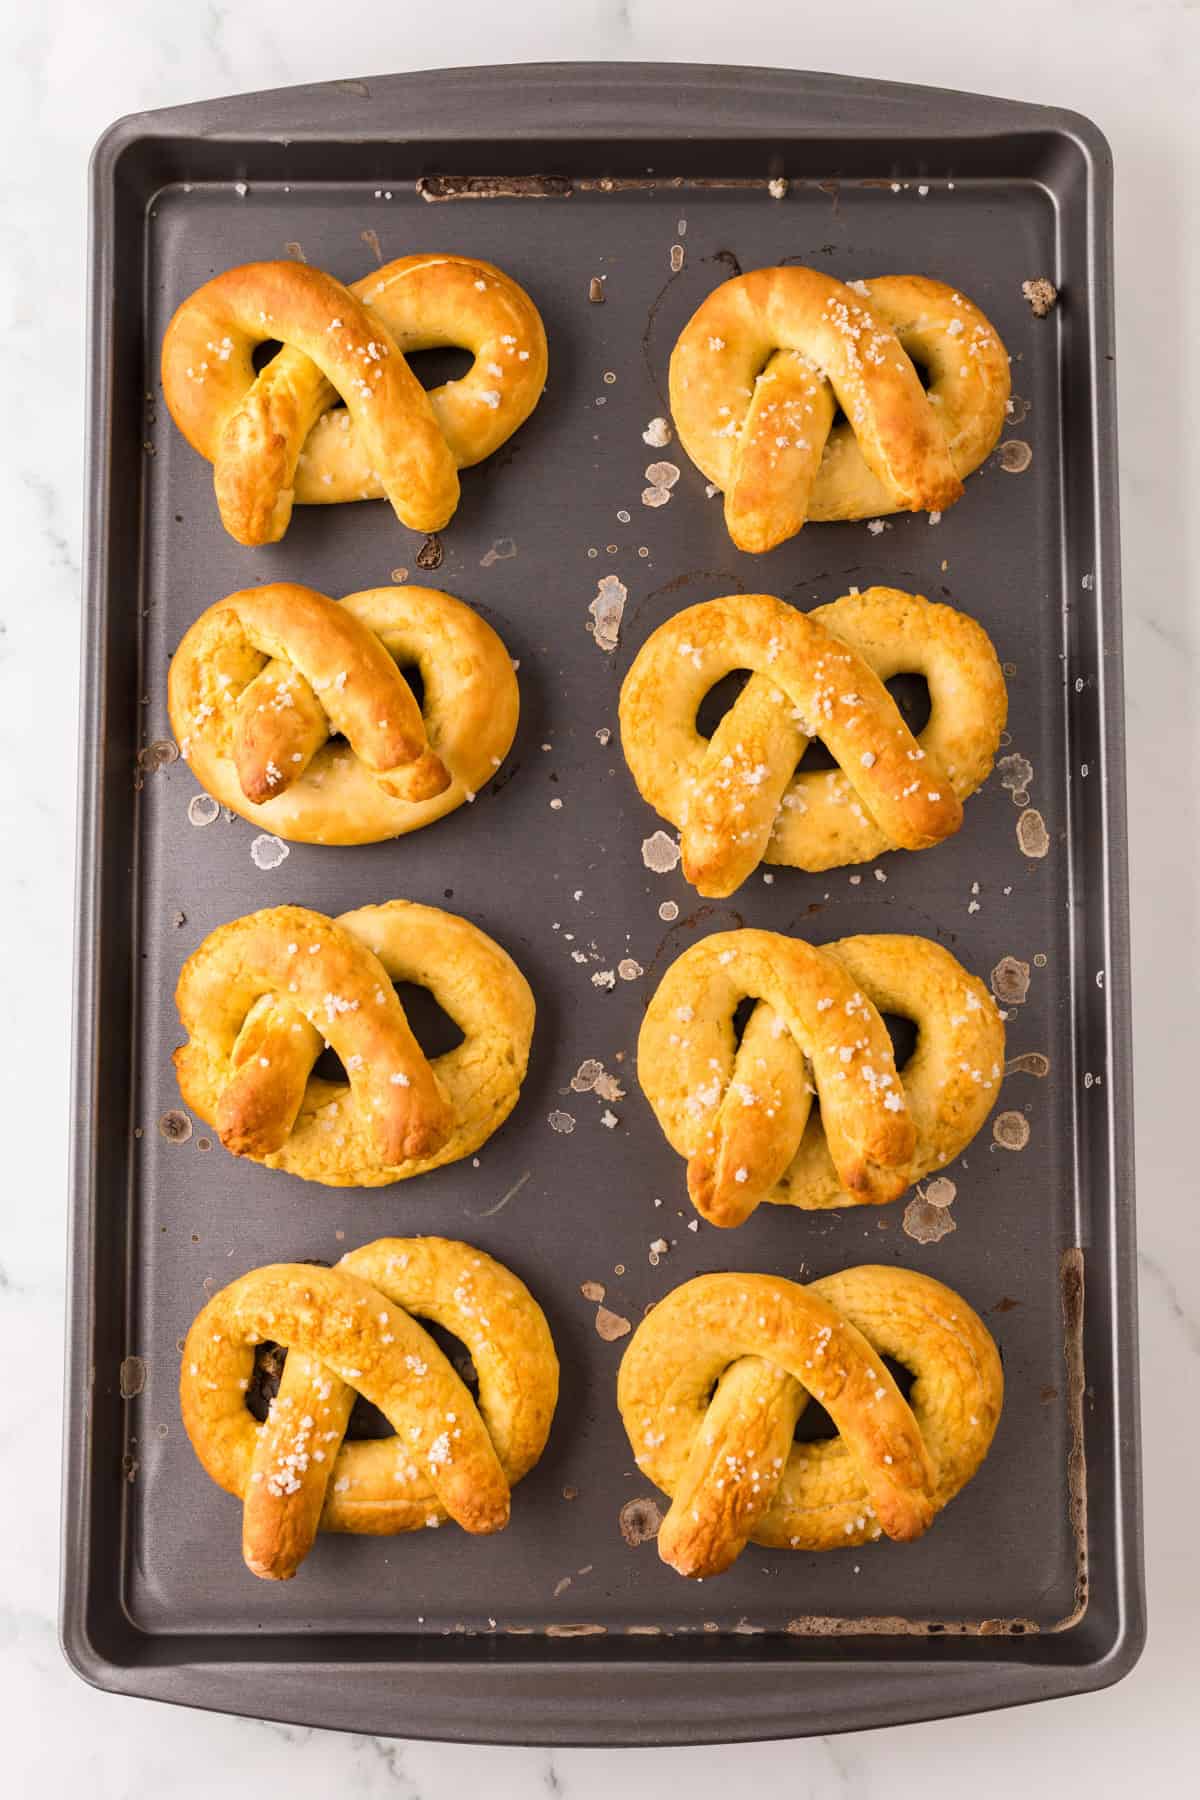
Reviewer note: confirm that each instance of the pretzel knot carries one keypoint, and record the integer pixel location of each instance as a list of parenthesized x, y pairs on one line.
[(738, 797), (291, 709), (262, 996), (761, 368), (742, 1112), (355, 1329), (275, 438), (717, 1375)]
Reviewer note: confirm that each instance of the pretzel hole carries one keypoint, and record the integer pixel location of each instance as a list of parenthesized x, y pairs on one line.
[(718, 700), (366, 1421), (815, 1426), (911, 693), (741, 1016), (446, 362), (263, 353), (903, 1033)]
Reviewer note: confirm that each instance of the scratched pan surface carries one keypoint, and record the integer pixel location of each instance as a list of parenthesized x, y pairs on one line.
[(558, 1631)]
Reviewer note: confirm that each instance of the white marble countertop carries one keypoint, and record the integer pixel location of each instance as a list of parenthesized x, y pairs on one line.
[(69, 69)]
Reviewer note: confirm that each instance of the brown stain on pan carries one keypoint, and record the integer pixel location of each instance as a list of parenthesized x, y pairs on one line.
[(1071, 1294)]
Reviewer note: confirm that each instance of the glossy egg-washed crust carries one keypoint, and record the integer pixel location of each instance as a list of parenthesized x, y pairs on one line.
[(762, 366), (261, 997), (275, 438), (717, 1375), (355, 1329), (290, 709), (738, 799), (742, 1113)]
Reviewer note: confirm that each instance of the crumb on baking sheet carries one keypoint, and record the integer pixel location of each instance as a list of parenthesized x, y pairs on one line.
[(1041, 294), (607, 609), (610, 1325), (1032, 835)]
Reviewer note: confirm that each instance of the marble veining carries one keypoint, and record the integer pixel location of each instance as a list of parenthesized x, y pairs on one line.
[(69, 69)]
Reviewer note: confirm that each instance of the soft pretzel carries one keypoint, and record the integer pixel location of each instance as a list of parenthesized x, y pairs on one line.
[(716, 1376), (742, 1113), (356, 1329), (262, 996), (763, 365), (274, 438), (290, 708), (737, 797)]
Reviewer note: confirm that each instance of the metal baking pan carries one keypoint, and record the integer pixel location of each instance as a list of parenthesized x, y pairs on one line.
[(655, 180)]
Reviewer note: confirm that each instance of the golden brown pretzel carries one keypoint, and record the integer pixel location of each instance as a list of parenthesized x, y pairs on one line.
[(716, 1376), (290, 708), (261, 996), (355, 1328), (742, 1114), (762, 366), (737, 798), (273, 438)]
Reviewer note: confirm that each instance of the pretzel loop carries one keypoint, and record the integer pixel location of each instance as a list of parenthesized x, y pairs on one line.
[(742, 1113), (759, 372), (261, 996), (717, 1375), (355, 1329), (739, 798)]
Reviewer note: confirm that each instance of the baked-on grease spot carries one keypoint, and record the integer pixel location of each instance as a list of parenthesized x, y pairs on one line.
[(267, 852), (925, 1223), (660, 853), (562, 1122), (511, 1194), (610, 1325), (132, 1376), (607, 609), (430, 555), (175, 1126), (1016, 773), (593, 1291), (1015, 456), (941, 1191), (677, 256), (158, 755), (1009, 980), (202, 810), (371, 240), (1011, 1130), (596, 290), (639, 1520), (668, 912), (1032, 835), (501, 551), (1031, 1062)]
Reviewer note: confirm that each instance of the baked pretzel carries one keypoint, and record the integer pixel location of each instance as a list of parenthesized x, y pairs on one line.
[(290, 709), (275, 438), (717, 1375), (742, 1113), (737, 798), (763, 365), (355, 1329), (261, 997)]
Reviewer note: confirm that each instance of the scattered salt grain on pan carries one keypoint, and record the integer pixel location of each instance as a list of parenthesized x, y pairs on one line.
[(777, 187), (606, 609), (660, 853), (604, 978), (267, 852), (609, 1119), (657, 434), (586, 1075)]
